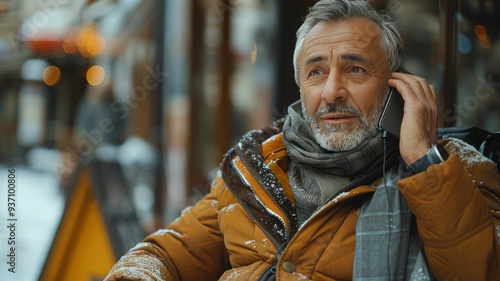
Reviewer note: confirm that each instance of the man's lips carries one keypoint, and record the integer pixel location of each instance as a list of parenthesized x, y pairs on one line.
[(337, 118)]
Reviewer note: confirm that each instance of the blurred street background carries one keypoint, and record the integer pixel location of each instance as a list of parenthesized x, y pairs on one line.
[(115, 114)]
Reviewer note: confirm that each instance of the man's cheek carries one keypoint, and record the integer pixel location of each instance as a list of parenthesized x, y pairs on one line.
[(305, 107)]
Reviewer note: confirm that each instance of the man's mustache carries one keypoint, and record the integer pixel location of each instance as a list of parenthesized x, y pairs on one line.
[(338, 108)]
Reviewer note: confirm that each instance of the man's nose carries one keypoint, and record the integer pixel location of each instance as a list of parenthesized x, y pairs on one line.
[(334, 90)]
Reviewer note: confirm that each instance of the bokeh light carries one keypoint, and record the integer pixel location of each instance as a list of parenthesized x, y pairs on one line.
[(88, 41), (95, 75), (51, 75), (480, 32), (96, 45), (482, 35)]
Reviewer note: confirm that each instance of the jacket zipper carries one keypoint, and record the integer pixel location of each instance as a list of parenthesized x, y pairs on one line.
[(270, 273)]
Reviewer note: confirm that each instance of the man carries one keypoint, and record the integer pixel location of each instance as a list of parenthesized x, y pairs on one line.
[(306, 200)]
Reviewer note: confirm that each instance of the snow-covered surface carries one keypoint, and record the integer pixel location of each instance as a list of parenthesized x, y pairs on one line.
[(145, 267), (251, 243), (341, 195), (300, 276), (161, 232), (467, 153), (237, 274), (39, 207), (228, 208)]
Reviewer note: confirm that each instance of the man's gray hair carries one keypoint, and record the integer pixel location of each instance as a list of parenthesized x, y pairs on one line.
[(337, 10)]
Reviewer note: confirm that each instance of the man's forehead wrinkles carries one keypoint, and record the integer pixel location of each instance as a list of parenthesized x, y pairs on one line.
[(319, 48), (337, 38), (355, 42)]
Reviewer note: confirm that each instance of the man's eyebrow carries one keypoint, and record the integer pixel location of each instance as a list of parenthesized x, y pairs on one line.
[(315, 59), (354, 57)]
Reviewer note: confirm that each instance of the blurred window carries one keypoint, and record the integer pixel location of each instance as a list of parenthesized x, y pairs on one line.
[(419, 21), (478, 81), (471, 95)]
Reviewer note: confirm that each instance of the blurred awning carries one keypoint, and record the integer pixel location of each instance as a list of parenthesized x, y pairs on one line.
[(34, 29), (44, 31), (81, 27)]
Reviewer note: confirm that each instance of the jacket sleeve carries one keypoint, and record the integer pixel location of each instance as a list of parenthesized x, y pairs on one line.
[(457, 209), (190, 248)]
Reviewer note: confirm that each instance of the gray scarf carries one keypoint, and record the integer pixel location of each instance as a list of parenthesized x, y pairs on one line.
[(388, 246), (387, 243)]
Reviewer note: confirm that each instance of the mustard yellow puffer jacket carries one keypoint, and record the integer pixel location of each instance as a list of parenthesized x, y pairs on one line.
[(247, 224)]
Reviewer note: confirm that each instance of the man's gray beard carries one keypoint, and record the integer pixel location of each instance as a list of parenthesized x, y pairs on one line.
[(343, 137)]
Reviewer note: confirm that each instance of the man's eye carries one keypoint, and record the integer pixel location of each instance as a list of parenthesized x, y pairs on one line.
[(357, 69), (316, 72)]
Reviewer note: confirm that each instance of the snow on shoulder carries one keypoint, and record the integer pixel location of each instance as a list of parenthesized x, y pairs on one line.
[(161, 232), (466, 152)]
